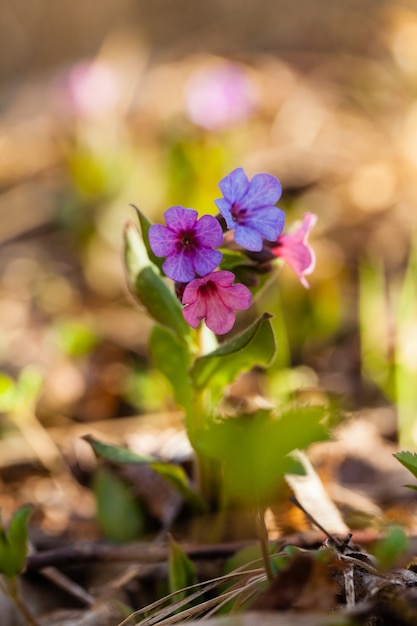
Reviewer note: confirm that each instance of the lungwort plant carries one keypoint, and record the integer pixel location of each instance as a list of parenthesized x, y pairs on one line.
[(192, 274)]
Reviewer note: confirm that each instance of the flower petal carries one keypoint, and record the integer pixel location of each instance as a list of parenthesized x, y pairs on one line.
[(293, 247), (264, 190), (178, 218), (248, 238), (237, 297), (195, 312), (300, 258), (191, 291), (179, 267), (205, 260), (268, 221), (235, 185), (224, 278), (219, 318), (162, 240), (301, 234), (209, 231), (225, 208)]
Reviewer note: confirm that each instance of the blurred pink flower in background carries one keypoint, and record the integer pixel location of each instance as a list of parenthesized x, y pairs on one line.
[(220, 96), (94, 89)]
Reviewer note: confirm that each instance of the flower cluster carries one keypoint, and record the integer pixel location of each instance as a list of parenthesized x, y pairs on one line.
[(188, 244)]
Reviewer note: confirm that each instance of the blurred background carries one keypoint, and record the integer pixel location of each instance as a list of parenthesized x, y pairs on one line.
[(152, 103)]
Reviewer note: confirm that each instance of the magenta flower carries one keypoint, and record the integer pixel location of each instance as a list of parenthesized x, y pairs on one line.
[(215, 299), (187, 243), (295, 250), (249, 208)]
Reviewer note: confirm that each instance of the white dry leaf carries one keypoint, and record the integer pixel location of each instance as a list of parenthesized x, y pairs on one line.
[(310, 492)]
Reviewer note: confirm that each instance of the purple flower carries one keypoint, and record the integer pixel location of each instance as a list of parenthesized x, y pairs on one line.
[(249, 208), (215, 299), (187, 243), (295, 250)]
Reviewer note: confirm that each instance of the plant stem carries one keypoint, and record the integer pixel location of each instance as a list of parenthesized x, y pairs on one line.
[(207, 469), (263, 540), (13, 592)]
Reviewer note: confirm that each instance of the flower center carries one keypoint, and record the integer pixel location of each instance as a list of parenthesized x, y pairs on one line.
[(187, 240), (238, 214), (208, 288)]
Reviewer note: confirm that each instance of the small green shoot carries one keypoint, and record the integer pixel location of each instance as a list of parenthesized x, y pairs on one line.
[(181, 570), (14, 543)]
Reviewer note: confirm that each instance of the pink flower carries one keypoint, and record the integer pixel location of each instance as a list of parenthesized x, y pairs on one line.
[(94, 89), (295, 250), (215, 299), (220, 96)]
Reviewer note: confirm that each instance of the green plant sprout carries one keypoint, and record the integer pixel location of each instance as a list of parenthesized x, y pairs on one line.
[(13, 552), (388, 332)]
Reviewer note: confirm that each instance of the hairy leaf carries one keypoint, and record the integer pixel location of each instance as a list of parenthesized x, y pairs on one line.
[(145, 225), (148, 286), (173, 359), (254, 449), (173, 474), (255, 346)]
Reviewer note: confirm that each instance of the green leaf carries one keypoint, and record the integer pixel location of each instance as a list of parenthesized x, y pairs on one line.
[(255, 346), (391, 548), (149, 288), (173, 359), (173, 474), (116, 454), (145, 225), (181, 570), (232, 259), (119, 514), (14, 543), (409, 460), (254, 449)]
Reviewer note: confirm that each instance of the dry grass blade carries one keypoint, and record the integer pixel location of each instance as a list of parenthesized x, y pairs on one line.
[(242, 594), (172, 613)]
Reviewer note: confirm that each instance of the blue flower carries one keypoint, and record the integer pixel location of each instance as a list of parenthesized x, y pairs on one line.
[(249, 208), (187, 243)]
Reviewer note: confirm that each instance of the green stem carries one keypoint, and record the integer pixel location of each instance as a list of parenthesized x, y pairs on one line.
[(263, 540), (207, 469), (13, 592)]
